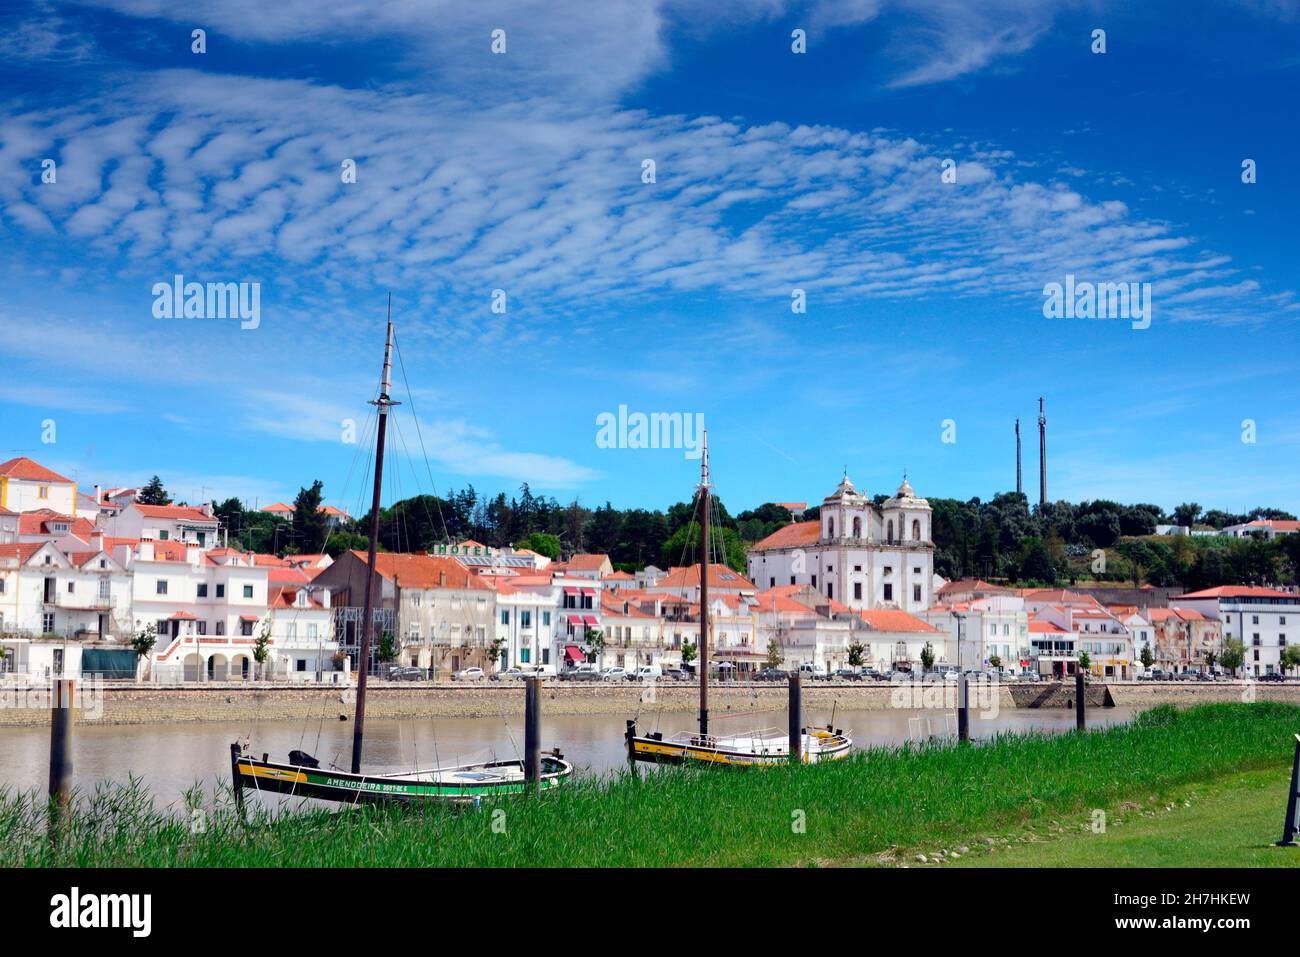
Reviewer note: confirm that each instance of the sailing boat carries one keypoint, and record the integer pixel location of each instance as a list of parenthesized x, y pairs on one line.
[(302, 775), (765, 746)]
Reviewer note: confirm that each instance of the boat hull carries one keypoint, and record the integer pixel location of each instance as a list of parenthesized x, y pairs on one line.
[(461, 784), (819, 745)]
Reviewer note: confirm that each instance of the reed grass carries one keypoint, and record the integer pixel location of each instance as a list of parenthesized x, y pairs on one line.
[(881, 799)]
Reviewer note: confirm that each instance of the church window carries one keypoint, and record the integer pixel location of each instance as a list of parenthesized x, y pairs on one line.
[(857, 528), (889, 592), (830, 528), (857, 591), (890, 534), (916, 529)]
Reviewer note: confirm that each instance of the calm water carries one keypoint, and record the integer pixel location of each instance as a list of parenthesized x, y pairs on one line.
[(172, 758)]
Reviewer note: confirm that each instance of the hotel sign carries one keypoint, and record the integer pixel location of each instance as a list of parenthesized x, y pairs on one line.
[(466, 548)]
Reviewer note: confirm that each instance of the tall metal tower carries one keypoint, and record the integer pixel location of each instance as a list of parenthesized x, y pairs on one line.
[(1019, 488), (1042, 454)]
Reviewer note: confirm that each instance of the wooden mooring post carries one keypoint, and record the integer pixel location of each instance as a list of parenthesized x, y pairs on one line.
[(532, 733), (61, 701), (796, 718), (963, 709), (1289, 830), (1080, 703)]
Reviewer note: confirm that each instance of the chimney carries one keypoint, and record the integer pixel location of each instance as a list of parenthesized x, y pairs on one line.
[(99, 495), (97, 541), (1042, 454)]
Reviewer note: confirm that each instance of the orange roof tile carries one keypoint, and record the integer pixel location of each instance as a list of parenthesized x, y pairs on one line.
[(25, 468), (795, 535), (1238, 591)]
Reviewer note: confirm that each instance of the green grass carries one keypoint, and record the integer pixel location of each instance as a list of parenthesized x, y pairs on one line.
[(1231, 822), (873, 808)]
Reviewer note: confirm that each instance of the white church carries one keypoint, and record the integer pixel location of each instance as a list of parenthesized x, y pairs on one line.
[(857, 554)]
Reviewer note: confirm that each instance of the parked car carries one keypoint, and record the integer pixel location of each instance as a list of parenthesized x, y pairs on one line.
[(846, 674), (676, 674), (581, 674), (469, 674), (614, 674), (510, 674), (771, 674), (815, 672), (406, 673), (646, 673), (1271, 676)]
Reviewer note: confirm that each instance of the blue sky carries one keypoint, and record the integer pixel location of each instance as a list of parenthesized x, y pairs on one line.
[(774, 171)]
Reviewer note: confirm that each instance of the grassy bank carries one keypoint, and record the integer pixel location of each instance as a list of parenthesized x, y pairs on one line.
[(1230, 822), (864, 810)]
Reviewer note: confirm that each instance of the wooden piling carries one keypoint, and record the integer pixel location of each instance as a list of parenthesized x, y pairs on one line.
[(1289, 830), (532, 732), (796, 718), (1080, 718), (963, 709), (64, 691)]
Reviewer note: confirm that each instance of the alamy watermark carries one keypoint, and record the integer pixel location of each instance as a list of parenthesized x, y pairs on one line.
[(213, 300), (1100, 300), (87, 696), (654, 430)]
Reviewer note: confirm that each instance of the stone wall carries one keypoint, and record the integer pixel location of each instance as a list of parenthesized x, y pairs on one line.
[(240, 703)]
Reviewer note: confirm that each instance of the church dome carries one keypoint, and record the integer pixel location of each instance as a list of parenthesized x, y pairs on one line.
[(906, 497), (845, 491)]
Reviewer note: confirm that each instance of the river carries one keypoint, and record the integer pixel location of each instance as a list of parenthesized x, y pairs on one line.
[(170, 759)]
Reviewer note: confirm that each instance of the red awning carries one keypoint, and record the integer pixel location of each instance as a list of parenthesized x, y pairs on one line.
[(248, 618), (589, 620), (575, 619), (571, 591), (573, 654), (589, 592)]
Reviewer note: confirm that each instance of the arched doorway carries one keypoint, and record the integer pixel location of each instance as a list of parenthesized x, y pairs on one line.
[(193, 667), (218, 668)]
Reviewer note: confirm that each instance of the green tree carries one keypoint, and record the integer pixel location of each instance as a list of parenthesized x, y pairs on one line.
[(1147, 657), (773, 654), (543, 543), (387, 650), (1290, 657), (1085, 661), (310, 524), (688, 652), (595, 644), (1187, 514), (154, 493), (143, 641), (995, 662), (927, 657), (1234, 653), (262, 646), (857, 653)]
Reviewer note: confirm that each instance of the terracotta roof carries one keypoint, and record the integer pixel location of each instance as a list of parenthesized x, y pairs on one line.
[(1238, 591), (971, 585), (423, 571), (1042, 627), (620, 576), (186, 512), (719, 577), (285, 596), (584, 562), (34, 522), (1184, 614), (25, 468), (795, 535), (277, 507), (22, 551), (892, 619)]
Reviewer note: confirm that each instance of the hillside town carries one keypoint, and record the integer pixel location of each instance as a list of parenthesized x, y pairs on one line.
[(101, 583)]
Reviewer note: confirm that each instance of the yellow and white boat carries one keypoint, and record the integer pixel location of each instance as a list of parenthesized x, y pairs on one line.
[(762, 747)]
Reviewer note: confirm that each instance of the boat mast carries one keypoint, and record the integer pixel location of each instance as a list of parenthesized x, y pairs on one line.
[(367, 624), (704, 587)]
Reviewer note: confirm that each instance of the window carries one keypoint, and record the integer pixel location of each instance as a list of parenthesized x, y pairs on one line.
[(43, 492), (160, 588), (525, 618), (889, 592), (830, 589), (546, 619), (523, 655), (248, 591), (857, 591), (505, 616), (162, 535), (1254, 619), (300, 664), (293, 630), (889, 534), (202, 627), (916, 529), (814, 581), (916, 594), (857, 528), (792, 581), (203, 591), (72, 588), (47, 622), (221, 625), (245, 627), (771, 583), (221, 591)]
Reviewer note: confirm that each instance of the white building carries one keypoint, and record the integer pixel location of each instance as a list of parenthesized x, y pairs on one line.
[(26, 486), (527, 618), (83, 595), (992, 628), (863, 556), (1262, 528), (1264, 620), (302, 633), (165, 523)]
